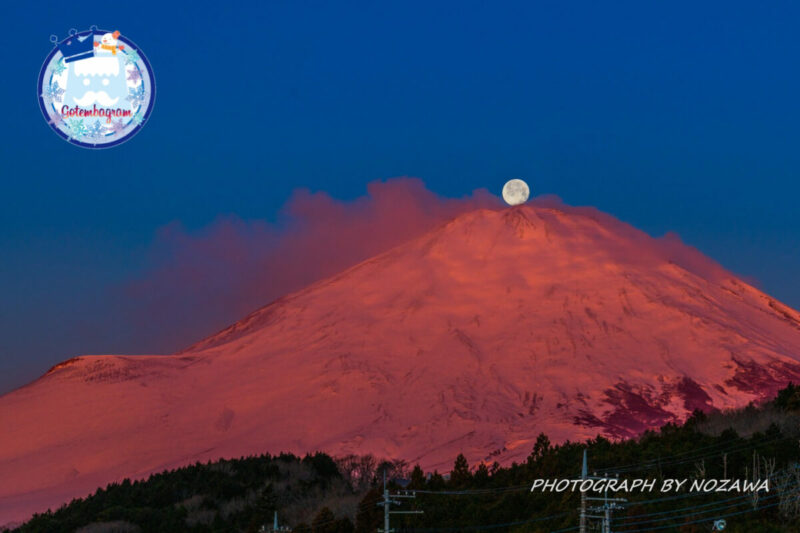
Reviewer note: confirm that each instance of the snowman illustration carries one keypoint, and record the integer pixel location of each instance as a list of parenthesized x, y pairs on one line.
[(108, 42)]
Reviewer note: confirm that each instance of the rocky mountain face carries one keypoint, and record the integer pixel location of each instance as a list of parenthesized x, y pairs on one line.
[(472, 338)]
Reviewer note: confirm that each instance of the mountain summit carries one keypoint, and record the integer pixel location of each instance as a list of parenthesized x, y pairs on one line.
[(472, 338)]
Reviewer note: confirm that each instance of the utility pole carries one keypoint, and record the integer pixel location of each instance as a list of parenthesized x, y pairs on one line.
[(584, 475), (388, 501), (609, 506)]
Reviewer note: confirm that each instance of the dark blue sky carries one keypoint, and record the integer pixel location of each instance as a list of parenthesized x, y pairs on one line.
[(674, 117)]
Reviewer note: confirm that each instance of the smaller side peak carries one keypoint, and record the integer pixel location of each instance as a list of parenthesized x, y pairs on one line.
[(63, 364)]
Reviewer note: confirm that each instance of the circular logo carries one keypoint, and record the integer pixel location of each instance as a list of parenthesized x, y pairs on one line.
[(96, 88)]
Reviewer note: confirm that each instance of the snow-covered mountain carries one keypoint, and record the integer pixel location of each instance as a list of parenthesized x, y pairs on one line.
[(472, 338)]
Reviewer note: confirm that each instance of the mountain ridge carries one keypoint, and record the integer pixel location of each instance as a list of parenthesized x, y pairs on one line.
[(474, 337)]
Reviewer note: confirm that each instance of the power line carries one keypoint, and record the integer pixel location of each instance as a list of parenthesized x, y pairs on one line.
[(697, 521), (715, 508), (691, 507), (514, 488), (675, 455), (387, 502), (659, 462), (698, 512), (492, 526)]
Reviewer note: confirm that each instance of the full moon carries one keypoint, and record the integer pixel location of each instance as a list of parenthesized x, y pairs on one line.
[(515, 192)]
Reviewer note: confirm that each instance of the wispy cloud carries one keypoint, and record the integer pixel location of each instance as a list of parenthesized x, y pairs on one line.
[(201, 281)]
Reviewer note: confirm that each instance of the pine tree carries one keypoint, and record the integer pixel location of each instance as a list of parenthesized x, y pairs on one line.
[(417, 478), (265, 506), (788, 398), (540, 448), (482, 475), (369, 515), (324, 522), (460, 475), (436, 481)]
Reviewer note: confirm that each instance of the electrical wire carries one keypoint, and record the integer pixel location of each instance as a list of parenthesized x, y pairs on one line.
[(696, 521), (491, 526), (662, 463)]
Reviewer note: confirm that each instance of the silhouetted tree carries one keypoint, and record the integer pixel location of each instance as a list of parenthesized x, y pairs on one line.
[(540, 448), (460, 475), (436, 481), (265, 506), (417, 478), (788, 398), (481, 475), (369, 515), (324, 522), (323, 464)]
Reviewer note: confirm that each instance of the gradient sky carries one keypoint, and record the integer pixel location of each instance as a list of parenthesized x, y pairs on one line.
[(674, 117)]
